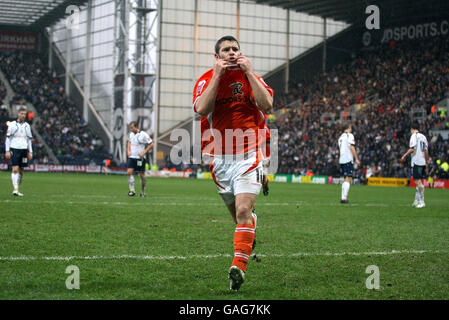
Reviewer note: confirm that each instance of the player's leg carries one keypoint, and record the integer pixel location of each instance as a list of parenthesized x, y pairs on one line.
[(21, 171), (231, 208), (419, 194), (345, 189), (265, 185), (246, 188), (420, 187), (15, 177), (130, 173), (346, 169), (16, 157), (143, 183), (232, 211), (243, 239), (229, 200)]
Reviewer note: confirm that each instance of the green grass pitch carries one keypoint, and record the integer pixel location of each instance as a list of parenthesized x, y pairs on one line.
[(177, 243)]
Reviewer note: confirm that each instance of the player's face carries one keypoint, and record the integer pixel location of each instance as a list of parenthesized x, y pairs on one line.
[(229, 51), (133, 128), (22, 115)]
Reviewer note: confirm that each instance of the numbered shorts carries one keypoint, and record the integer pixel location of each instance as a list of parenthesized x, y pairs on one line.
[(233, 177), (19, 157), (347, 168), (137, 164), (419, 172)]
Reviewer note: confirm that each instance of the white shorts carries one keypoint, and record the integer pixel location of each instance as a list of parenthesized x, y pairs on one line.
[(236, 176)]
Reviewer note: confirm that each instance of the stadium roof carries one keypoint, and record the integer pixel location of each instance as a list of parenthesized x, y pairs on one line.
[(35, 14), (353, 11)]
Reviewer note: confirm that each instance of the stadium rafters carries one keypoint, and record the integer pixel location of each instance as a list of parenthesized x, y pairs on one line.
[(353, 11), (35, 14)]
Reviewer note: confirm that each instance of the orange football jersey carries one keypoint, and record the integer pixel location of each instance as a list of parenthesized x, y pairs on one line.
[(236, 118)]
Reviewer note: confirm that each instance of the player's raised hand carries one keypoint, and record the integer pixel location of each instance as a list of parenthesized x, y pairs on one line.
[(220, 67), (245, 64)]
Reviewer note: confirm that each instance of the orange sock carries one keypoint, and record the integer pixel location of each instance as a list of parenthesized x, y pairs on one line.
[(243, 245)]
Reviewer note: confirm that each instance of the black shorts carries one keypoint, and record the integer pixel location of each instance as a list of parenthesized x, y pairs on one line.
[(19, 157), (419, 172), (137, 164), (347, 168)]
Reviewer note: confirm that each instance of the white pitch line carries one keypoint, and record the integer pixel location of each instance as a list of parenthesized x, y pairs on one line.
[(213, 204), (267, 255)]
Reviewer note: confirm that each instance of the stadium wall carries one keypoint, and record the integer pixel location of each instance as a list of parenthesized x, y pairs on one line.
[(189, 30)]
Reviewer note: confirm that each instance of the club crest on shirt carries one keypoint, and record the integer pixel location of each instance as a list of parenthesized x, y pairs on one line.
[(236, 86), (200, 87)]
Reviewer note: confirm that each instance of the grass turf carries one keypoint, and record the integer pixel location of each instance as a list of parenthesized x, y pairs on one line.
[(310, 245)]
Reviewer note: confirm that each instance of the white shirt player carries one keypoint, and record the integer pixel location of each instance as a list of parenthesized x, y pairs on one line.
[(138, 142), (418, 142), (344, 142), (19, 136)]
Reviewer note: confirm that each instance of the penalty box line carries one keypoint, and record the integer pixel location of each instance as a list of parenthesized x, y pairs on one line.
[(273, 255)]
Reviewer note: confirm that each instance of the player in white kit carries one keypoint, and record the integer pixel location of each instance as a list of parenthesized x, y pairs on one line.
[(136, 156), (418, 148), (346, 144), (19, 148)]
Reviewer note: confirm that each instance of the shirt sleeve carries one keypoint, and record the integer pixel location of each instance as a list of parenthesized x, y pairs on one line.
[(351, 139), (269, 89), (145, 138), (199, 88), (413, 141), (29, 133), (9, 130), (7, 143), (426, 145)]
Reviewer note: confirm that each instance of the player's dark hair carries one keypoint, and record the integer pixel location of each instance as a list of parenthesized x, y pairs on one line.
[(345, 126), (225, 38), (414, 125), (134, 123)]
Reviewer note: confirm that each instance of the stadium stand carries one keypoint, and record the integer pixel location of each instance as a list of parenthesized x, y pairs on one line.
[(383, 86), (2, 91), (58, 121)]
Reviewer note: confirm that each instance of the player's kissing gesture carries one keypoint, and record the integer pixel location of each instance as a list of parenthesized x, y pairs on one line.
[(245, 64)]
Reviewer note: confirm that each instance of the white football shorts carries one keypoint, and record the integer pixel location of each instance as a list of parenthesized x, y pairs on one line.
[(234, 176)]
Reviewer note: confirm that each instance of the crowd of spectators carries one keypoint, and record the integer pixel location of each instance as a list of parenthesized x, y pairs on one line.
[(58, 120), (386, 84), (2, 92)]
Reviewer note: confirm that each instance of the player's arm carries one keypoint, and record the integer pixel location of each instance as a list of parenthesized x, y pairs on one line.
[(206, 102), (129, 149), (354, 153), (30, 149), (147, 149), (30, 142), (263, 98), (7, 147), (409, 151)]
